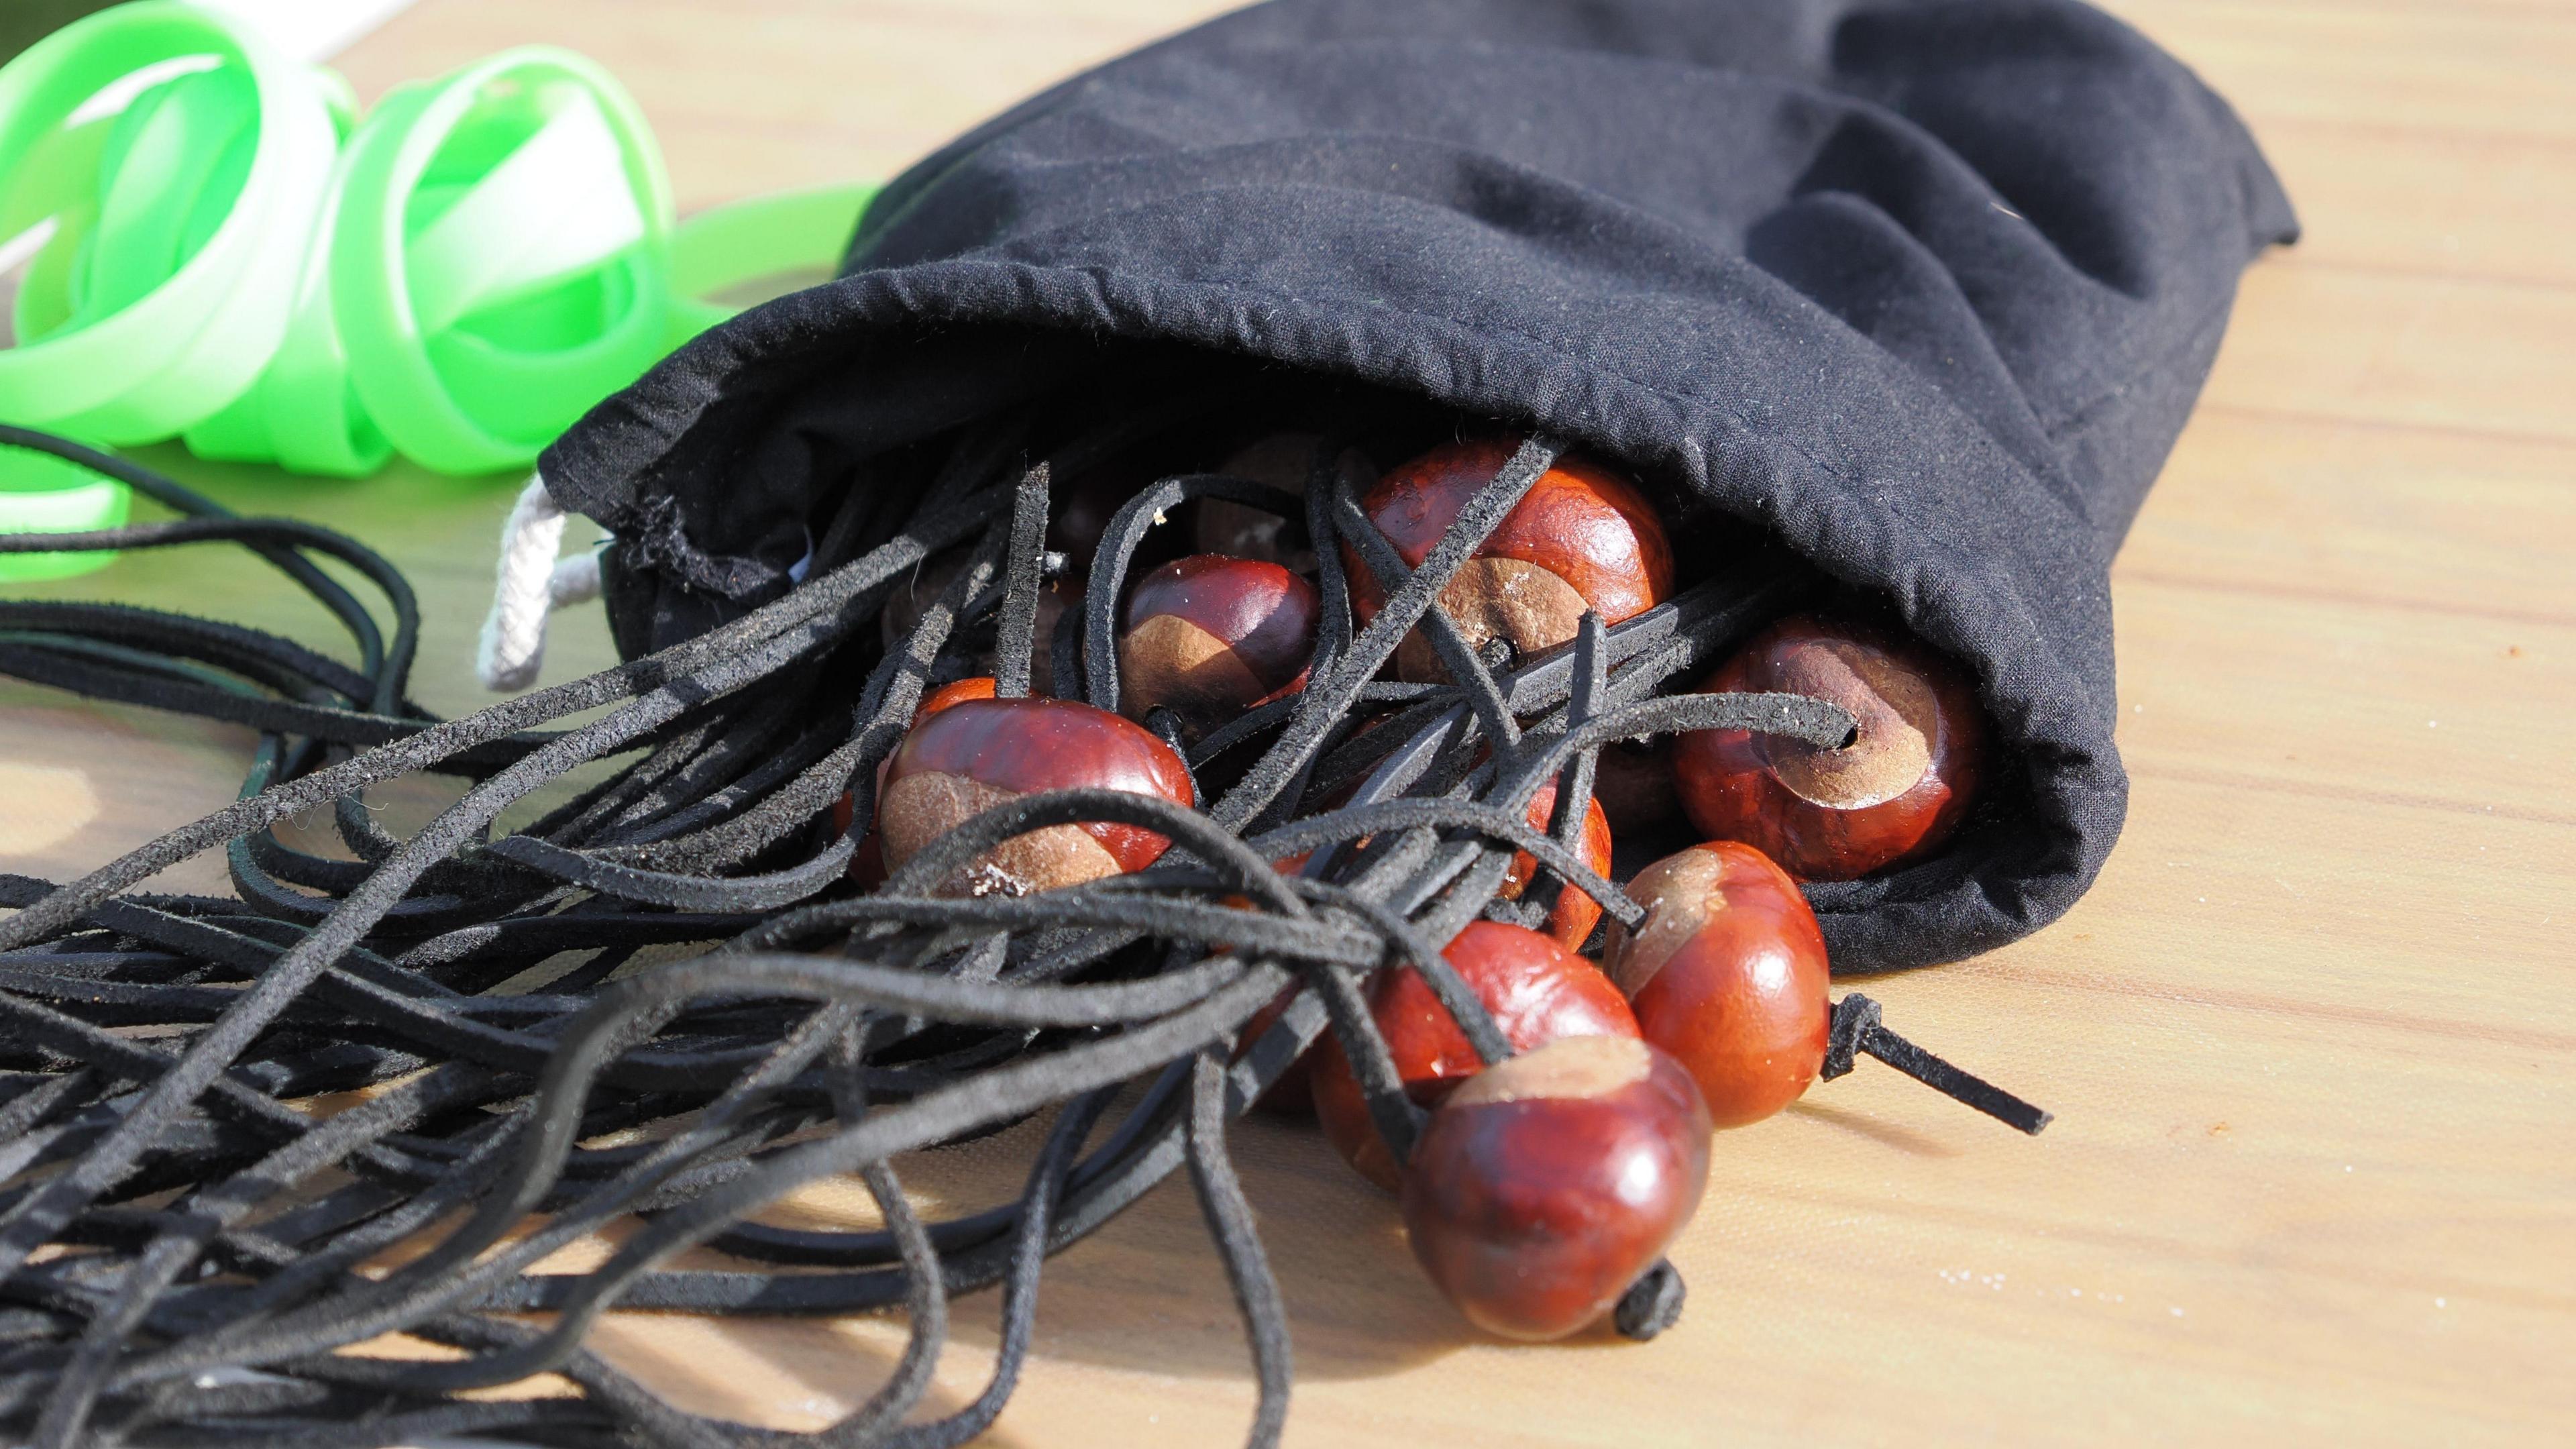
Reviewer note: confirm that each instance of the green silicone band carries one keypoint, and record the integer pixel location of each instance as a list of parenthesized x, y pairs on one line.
[(165, 287), (458, 277), (40, 493), (786, 235), (544, 272)]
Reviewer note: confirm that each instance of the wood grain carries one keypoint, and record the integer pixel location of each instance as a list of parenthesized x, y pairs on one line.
[(2312, 1040)]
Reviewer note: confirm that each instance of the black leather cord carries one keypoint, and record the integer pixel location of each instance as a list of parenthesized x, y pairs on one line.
[(675, 945)]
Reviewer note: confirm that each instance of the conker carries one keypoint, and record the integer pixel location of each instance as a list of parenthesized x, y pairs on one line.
[(1727, 973), (1634, 783), (1209, 637), (1083, 508), (1285, 461), (1582, 538), (867, 862), (1293, 1094), (974, 754), (1081, 514), (913, 595), (1546, 1185), (955, 691), (1536, 990), (1892, 796), (1570, 923)]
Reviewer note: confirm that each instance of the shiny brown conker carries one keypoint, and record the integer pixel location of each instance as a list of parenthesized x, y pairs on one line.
[(913, 595), (1293, 1094), (1582, 538), (1082, 509), (1536, 990), (1634, 783), (923, 586), (1570, 921), (1080, 514), (867, 862), (1285, 461), (975, 754), (1543, 1187), (955, 692), (1209, 637), (1892, 796), (1727, 973)]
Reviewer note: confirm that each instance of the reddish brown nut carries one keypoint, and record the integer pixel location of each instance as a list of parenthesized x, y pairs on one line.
[(1081, 514), (1570, 923), (867, 862), (955, 692), (1209, 637), (1583, 537), (1635, 785), (1544, 1187), (913, 595), (1055, 600), (1079, 520), (1893, 796), (1293, 1094), (1537, 991), (975, 754), (1727, 973), (1285, 461)]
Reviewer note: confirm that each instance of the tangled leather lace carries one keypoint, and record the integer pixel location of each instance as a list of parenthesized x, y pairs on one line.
[(186, 1253)]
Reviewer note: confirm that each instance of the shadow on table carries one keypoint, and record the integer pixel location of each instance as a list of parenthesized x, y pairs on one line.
[(1144, 1294), (1878, 1130)]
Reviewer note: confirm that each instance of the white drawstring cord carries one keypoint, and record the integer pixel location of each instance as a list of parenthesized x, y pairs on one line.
[(531, 584)]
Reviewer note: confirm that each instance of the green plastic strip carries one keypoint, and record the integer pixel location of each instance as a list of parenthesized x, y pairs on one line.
[(165, 286), (795, 236), (40, 493), (457, 278)]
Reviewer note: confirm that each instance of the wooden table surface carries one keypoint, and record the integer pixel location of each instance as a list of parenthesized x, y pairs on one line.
[(2312, 1039)]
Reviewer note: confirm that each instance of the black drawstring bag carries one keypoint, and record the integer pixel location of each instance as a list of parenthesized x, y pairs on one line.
[(1925, 289), (1254, 223)]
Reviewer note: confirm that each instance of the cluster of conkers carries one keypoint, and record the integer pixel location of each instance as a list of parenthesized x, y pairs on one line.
[(1543, 1185), (1715, 1014)]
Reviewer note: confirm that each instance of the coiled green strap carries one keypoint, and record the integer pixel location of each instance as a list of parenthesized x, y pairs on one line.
[(179, 220), (493, 260), (457, 278)]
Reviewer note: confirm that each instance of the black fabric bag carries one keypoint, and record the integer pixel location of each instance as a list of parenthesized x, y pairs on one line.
[(1926, 289)]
